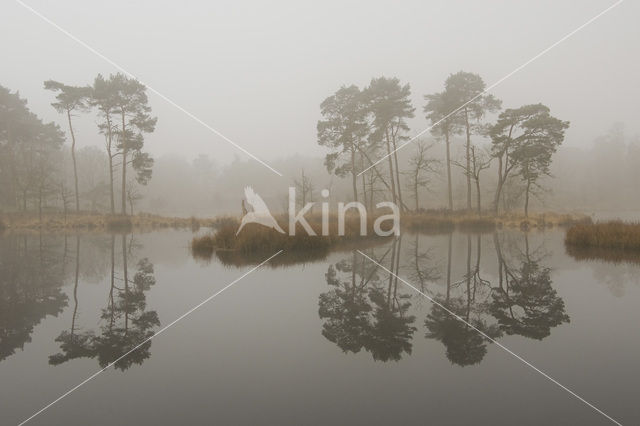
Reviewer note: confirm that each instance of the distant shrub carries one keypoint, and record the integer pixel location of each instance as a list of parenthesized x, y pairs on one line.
[(195, 224), (427, 223), (119, 224), (477, 224), (222, 221)]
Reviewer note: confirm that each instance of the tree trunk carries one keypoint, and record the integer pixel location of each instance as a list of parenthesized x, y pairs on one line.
[(125, 276), (415, 189), (109, 141), (391, 175), (124, 167), (354, 175), (73, 157), (496, 200), (75, 287), (468, 276), (370, 191), (395, 156), (468, 149), (446, 138), (364, 190), (449, 268), (526, 199), (478, 193), (40, 206), (379, 176), (113, 275)]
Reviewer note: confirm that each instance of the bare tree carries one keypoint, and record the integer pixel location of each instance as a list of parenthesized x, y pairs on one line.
[(304, 187), (65, 197), (420, 166), (133, 195), (479, 160)]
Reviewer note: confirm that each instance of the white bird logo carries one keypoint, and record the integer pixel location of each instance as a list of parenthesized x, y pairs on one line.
[(260, 213)]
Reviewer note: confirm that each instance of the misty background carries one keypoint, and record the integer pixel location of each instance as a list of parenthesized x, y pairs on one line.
[(257, 73)]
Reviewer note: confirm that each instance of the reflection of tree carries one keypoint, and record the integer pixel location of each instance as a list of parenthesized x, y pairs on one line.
[(345, 307), (525, 303), (364, 313), (464, 344), (421, 271), (30, 282), (126, 322), (73, 345)]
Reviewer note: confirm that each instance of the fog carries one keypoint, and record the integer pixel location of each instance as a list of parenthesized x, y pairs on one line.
[(257, 73)]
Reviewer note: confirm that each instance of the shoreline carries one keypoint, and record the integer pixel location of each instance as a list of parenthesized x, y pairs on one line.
[(436, 221)]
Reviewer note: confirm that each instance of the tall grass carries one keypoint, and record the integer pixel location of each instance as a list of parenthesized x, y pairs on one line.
[(613, 241), (257, 239), (615, 235), (2, 225)]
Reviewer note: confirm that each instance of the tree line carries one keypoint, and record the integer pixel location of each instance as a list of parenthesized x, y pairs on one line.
[(359, 126), (32, 163)]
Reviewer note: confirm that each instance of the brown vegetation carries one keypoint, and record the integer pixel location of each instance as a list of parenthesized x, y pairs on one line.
[(613, 241), (55, 222), (443, 221), (255, 240)]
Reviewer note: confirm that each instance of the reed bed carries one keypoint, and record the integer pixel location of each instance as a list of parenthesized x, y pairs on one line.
[(613, 235), (257, 239)]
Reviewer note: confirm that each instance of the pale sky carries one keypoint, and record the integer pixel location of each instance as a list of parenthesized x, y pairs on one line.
[(257, 71)]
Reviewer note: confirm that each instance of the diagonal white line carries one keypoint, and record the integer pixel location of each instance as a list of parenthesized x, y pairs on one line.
[(151, 89), (494, 84), (518, 357), (189, 312)]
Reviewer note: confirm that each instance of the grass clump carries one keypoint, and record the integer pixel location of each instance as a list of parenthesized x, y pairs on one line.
[(202, 247), (615, 235), (255, 240), (613, 241)]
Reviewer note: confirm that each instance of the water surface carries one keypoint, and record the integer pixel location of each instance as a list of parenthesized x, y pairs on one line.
[(333, 339)]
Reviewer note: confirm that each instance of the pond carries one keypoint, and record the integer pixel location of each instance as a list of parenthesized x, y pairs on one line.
[(328, 339)]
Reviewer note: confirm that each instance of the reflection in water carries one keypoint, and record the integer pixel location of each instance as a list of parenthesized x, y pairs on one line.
[(125, 321), (365, 309), (525, 303), (31, 275), (464, 345)]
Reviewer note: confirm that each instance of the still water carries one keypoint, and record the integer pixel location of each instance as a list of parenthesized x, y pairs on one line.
[(328, 339)]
